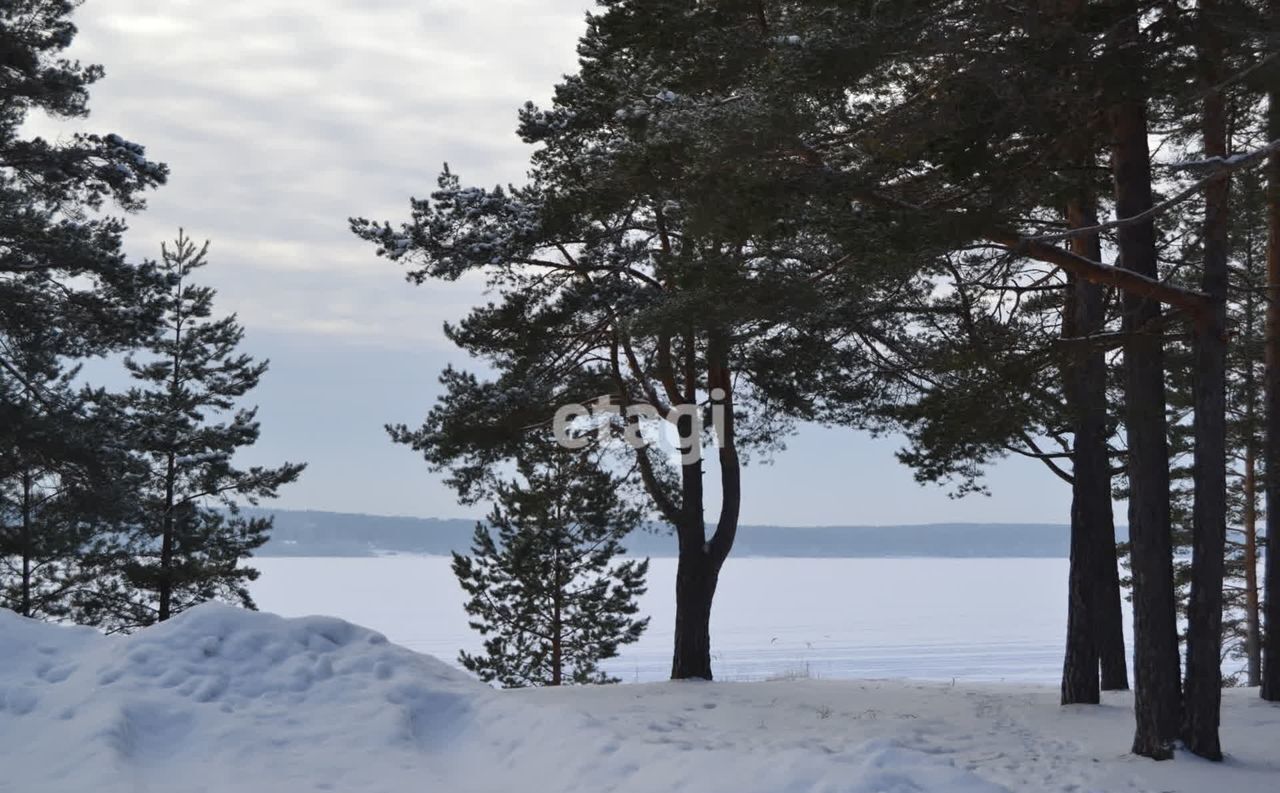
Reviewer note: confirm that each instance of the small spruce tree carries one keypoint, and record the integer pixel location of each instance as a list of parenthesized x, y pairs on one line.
[(546, 584), (189, 539)]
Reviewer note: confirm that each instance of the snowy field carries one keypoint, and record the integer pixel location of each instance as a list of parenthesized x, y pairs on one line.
[(927, 619), (220, 700)]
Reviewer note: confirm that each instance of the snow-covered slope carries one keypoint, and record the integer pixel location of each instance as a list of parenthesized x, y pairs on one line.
[(221, 699)]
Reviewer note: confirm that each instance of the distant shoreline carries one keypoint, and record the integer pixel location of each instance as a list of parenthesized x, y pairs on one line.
[(337, 534)]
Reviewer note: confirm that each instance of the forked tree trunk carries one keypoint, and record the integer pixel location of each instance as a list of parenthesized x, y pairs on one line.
[(1092, 520), (1202, 694), (1080, 664), (698, 568), (1157, 696), (1271, 634)]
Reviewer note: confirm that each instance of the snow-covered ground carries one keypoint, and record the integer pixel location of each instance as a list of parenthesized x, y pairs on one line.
[(937, 619), (220, 699)]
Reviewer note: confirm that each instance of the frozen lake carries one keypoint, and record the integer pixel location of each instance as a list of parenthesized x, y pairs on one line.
[(969, 619)]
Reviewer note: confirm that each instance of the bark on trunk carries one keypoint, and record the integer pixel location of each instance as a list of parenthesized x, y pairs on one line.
[(1250, 491), (696, 577), (28, 549), (1157, 699), (1091, 486), (1252, 630), (165, 583), (1202, 696), (698, 568), (1080, 665), (1271, 637), (557, 621), (1091, 511), (1110, 616)]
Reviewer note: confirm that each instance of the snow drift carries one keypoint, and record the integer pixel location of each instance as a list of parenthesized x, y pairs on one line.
[(221, 699)]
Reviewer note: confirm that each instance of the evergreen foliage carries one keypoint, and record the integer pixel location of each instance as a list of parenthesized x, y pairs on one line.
[(187, 541), (921, 182), (61, 504), (67, 292), (61, 263), (546, 583)]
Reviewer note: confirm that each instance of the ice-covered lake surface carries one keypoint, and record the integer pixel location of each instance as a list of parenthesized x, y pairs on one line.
[(931, 619)]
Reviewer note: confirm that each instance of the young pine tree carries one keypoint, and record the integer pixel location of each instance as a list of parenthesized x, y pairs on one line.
[(189, 539), (547, 586)]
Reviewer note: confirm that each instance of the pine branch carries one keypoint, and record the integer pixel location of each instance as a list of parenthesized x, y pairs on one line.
[(1221, 165)]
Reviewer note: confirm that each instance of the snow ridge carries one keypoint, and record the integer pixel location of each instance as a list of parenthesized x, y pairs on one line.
[(220, 699)]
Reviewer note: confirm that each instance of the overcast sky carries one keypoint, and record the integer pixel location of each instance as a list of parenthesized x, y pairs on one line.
[(282, 118)]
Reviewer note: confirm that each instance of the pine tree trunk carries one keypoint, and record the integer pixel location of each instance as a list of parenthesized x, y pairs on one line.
[(1080, 665), (1253, 635), (171, 470), (698, 568), (1091, 486), (696, 577), (1110, 616), (1271, 636), (557, 619), (1202, 701), (1091, 470), (1157, 699), (1249, 487), (165, 583), (28, 538)]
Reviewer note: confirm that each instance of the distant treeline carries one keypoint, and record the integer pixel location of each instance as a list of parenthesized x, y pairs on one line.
[(307, 533)]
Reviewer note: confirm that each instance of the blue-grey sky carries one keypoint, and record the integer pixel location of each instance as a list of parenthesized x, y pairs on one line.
[(282, 118)]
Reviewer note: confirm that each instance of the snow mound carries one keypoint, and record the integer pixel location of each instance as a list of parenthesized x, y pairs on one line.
[(229, 692), (221, 699)]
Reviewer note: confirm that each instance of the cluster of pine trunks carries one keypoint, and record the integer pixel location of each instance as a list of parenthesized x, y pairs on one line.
[(1168, 707)]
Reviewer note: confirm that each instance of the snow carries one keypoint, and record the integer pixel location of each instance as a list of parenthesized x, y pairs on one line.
[(826, 618), (220, 699), (200, 459)]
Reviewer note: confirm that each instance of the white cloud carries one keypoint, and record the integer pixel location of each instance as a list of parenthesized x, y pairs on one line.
[(282, 118)]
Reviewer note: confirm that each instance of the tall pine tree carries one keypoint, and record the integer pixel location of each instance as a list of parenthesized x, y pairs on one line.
[(60, 262), (63, 274), (188, 540), (546, 582)]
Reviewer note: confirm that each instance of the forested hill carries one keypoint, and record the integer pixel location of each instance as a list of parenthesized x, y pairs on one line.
[(306, 533)]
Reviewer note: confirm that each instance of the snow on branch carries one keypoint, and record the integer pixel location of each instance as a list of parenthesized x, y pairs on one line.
[(1220, 166)]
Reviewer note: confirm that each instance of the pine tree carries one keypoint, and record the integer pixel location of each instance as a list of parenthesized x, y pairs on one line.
[(1241, 595), (1246, 538), (630, 268), (1270, 689), (61, 263), (546, 583), (66, 292), (188, 541), (61, 505)]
